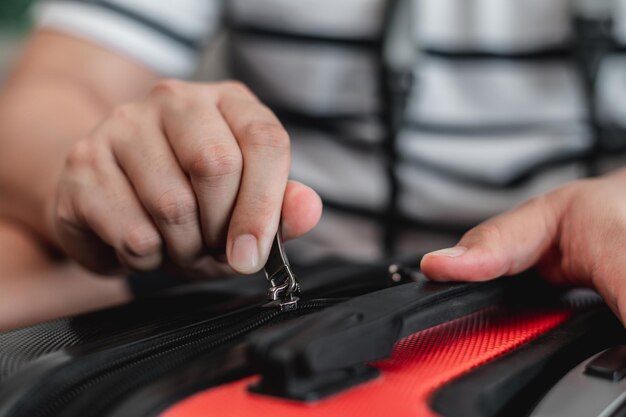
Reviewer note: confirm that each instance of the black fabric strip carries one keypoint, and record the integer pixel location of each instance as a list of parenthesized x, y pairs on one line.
[(341, 139), (400, 223), (539, 55), (619, 50), (517, 181), (593, 40), (615, 47), (611, 140), (182, 40), (329, 120), (278, 36), (395, 86), (340, 133), (491, 131)]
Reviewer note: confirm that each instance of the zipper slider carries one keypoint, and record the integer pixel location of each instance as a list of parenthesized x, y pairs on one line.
[(284, 286)]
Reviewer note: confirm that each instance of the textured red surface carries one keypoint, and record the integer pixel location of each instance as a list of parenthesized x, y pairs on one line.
[(419, 365)]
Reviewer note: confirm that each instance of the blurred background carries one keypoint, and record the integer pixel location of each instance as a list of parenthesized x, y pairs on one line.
[(15, 21)]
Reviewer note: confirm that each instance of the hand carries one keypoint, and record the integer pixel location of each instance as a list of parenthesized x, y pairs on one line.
[(192, 170), (575, 235)]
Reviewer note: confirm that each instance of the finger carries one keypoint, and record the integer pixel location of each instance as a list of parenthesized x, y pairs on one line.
[(264, 145), (161, 185), (504, 245), (302, 209), (85, 247), (207, 267), (208, 152), (100, 217)]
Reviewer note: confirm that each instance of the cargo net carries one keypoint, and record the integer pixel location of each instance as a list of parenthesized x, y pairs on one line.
[(419, 365)]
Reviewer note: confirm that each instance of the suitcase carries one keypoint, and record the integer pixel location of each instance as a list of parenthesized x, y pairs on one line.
[(363, 342)]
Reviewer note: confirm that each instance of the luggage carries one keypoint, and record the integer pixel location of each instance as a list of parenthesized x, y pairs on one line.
[(363, 342)]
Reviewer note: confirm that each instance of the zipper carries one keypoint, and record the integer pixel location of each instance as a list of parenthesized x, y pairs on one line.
[(152, 358)]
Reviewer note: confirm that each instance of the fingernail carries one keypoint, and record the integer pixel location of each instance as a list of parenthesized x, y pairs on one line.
[(454, 252), (245, 254)]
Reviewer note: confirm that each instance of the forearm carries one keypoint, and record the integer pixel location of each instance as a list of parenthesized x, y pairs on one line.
[(55, 96)]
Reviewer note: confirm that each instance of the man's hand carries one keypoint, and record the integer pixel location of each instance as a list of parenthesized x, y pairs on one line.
[(192, 170), (575, 235)]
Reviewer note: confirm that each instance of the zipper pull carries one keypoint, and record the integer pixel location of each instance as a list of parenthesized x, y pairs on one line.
[(284, 286)]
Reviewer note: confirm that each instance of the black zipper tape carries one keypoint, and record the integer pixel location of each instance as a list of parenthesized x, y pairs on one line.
[(70, 375)]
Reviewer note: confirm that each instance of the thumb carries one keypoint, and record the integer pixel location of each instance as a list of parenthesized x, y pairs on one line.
[(302, 209), (505, 245)]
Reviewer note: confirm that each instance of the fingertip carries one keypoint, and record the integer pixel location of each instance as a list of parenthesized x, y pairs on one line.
[(141, 249), (140, 263), (142, 242), (461, 264), (302, 210), (248, 249), (435, 264), (436, 267)]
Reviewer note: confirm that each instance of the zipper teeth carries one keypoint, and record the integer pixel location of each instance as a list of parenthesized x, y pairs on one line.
[(162, 348), (129, 363)]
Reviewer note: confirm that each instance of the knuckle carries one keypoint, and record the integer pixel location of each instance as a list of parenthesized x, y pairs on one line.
[(141, 241), (80, 153), (216, 161), (237, 86), (87, 153), (123, 124), (545, 210), (262, 210), (125, 113), (175, 207), (87, 158), (267, 135), (167, 88), (491, 232)]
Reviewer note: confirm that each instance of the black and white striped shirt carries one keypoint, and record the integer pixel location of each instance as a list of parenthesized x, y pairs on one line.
[(509, 99)]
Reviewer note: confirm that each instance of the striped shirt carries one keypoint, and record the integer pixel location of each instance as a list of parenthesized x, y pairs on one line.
[(414, 119)]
